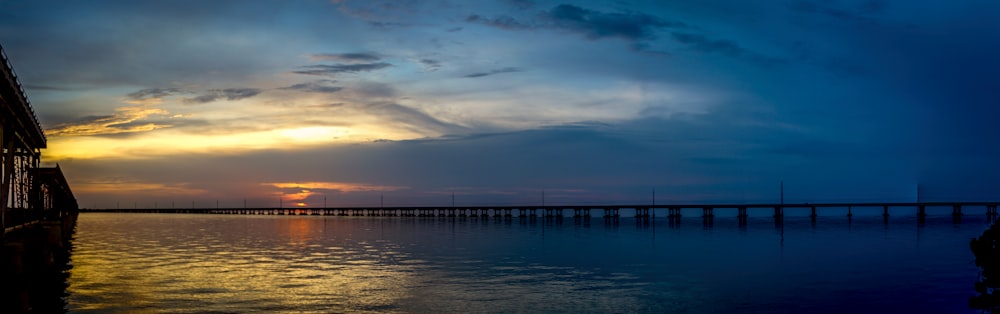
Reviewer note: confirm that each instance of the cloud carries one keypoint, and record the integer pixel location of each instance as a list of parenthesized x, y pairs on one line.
[(321, 86), (521, 4), (228, 94), (346, 187), (130, 187), (595, 25), (723, 47), (633, 27), (860, 12), (331, 69), (355, 57), (370, 90), (497, 71), (46, 87), (504, 22), (150, 96), (430, 64), (417, 120), (152, 93), (132, 119), (327, 106)]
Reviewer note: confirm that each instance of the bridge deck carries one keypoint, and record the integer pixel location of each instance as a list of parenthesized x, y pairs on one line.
[(779, 206)]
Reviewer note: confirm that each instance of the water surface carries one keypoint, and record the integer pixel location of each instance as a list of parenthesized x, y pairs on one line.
[(177, 263)]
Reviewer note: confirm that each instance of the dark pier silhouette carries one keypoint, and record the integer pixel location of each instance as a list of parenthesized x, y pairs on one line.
[(37, 208), (29, 193)]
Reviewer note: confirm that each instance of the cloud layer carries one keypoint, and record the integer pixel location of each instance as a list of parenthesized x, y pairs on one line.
[(496, 100)]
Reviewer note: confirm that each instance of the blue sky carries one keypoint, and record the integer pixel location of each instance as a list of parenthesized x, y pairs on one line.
[(495, 101)]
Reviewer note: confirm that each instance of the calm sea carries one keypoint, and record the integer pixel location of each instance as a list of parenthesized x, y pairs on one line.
[(177, 263)]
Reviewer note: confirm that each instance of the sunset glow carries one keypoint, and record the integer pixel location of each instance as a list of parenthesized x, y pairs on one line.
[(362, 101)]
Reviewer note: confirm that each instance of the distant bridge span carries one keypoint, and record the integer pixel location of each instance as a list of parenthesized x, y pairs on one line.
[(642, 211)]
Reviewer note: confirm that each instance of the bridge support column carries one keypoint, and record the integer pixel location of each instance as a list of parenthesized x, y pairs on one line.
[(674, 212), (708, 212), (956, 210), (642, 212), (885, 211)]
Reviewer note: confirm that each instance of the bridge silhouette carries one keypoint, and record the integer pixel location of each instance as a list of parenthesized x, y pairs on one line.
[(646, 211), (29, 193)]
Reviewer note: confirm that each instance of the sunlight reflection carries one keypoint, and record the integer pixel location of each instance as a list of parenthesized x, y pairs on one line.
[(191, 269)]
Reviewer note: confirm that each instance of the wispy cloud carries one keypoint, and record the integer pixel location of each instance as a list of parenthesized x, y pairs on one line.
[(152, 93), (595, 25), (321, 86), (130, 187), (150, 96), (492, 72), (353, 57), (227, 94), (638, 29), (131, 119), (862, 11), (346, 187), (630, 26), (412, 118), (430, 64), (727, 48), (503, 21), (332, 69)]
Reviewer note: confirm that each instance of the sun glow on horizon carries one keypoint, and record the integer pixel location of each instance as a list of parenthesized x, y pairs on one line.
[(163, 142), (346, 187)]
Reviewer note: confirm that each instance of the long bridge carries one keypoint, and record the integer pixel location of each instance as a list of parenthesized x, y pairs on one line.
[(672, 211), (29, 193)]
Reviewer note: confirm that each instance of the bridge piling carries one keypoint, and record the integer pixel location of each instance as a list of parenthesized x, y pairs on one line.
[(707, 211), (642, 212)]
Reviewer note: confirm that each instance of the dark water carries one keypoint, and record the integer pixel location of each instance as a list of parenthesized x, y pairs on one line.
[(174, 263)]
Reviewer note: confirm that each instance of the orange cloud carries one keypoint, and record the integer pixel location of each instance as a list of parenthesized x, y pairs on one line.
[(124, 120), (346, 187), (131, 188)]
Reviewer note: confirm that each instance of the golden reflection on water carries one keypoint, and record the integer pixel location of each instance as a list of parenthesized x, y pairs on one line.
[(172, 263), (217, 264)]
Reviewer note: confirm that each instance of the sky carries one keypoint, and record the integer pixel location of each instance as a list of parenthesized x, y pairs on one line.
[(512, 102)]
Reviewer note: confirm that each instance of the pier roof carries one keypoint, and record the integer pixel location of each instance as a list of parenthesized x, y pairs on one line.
[(15, 104)]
